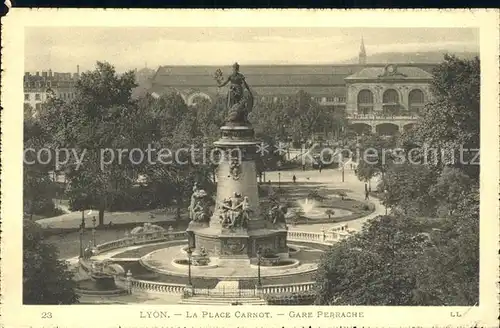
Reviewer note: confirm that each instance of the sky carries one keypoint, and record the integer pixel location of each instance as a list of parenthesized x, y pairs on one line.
[(63, 48)]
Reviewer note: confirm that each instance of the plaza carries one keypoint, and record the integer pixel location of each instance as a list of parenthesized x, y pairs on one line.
[(288, 209), (240, 281)]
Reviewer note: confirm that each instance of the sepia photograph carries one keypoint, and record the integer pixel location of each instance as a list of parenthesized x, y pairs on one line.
[(252, 166)]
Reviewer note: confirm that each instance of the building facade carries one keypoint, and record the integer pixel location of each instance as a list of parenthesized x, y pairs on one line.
[(39, 86), (386, 100), (383, 98)]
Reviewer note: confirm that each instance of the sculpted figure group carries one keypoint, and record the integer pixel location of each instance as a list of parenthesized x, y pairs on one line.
[(276, 214), (199, 208), (235, 211)]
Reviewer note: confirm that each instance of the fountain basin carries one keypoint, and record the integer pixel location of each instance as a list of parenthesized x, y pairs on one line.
[(280, 264), (103, 281), (162, 262), (184, 263), (92, 287), (319, 212)]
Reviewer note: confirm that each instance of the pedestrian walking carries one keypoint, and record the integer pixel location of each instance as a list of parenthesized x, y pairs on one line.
[(320, 167), (367, 195), (294, 178), (303, 167)]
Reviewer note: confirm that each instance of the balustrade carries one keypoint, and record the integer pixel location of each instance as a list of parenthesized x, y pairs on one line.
[(400, 116), (288, 288), (157, 287), (304, 235)]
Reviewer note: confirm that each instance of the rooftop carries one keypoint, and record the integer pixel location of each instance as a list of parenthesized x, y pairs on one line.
[(392, 72), (281, 75)]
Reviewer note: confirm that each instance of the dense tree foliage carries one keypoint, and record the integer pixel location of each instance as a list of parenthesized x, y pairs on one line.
[(373, 267), (38, 187), (46, 279), (408, 189), (450, 122), (376, 154), (98, 119), (427, 251)]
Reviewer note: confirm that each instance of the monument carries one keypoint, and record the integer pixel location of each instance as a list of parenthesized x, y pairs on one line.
[(236, 228)]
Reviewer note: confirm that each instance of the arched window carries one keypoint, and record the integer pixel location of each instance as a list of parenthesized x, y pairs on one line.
[(416, 100), (365, 102), (390, 100)]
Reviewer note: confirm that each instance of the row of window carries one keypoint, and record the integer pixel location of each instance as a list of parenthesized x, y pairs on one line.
[(27, 97), (316, 99), (391, 96), (38, 96), (43, 84), (395, 110), (47, 84)]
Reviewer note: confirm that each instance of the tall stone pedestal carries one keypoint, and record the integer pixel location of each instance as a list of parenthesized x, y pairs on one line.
[(237, 177)]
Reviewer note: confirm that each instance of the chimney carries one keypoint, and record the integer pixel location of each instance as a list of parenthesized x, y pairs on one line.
[(78, 70)]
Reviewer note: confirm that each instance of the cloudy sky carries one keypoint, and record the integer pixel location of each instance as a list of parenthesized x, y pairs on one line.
[(61, 49)]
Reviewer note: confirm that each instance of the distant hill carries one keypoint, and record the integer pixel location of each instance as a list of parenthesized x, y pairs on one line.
[(410, 57)]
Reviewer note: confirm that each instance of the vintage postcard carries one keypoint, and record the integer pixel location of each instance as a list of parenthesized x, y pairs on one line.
[(250, 168)]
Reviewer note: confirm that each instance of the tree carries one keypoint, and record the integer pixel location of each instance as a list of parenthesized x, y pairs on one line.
[(408, 189), (451, 120), (306, 116), (102, 116), (329, 212), (450, 189), (449, 271), (38, 187), (173, 126), (46, 279), (373, 267), (28, 111), (399, 261), (209, 118), (376, 155), (342, 194)]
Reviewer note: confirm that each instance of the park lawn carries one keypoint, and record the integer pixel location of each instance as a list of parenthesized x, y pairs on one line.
[(68, 243)]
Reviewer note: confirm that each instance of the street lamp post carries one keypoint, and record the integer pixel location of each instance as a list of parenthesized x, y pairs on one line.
[(93, 231), (279, 180), (343, 171), (259, 254), (385, 198), (189, 253), (81, 240), (82, 231)]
